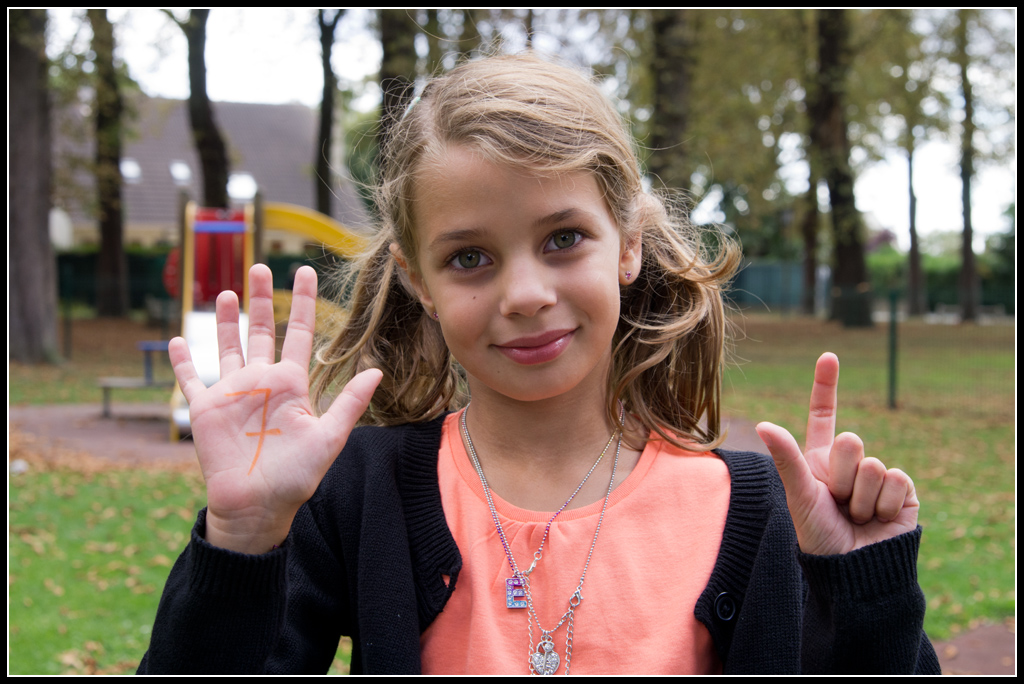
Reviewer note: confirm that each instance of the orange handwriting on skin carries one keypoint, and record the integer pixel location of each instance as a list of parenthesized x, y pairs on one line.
[(263, 424)]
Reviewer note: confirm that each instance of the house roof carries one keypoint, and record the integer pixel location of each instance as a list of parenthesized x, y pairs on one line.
[(273, 143)]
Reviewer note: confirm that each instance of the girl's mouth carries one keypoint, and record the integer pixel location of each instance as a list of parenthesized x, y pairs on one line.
[(536, 349)]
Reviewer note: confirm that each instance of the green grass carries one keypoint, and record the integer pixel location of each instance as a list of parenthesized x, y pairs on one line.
[(90, 550), (89, 553), (953, 432)]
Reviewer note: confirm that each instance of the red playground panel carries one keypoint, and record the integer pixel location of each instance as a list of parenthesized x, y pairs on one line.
[(219, 254)]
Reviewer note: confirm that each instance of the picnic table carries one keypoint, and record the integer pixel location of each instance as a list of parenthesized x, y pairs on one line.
[(147, 347)]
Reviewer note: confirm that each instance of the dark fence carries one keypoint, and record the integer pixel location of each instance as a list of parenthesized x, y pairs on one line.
[(774, 286), (77, 277)]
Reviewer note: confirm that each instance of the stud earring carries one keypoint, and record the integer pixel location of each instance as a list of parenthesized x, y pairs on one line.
[(436, 317), (629, 274)]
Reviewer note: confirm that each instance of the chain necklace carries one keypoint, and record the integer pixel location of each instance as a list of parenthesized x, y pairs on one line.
[(544, 660), (514, 589)]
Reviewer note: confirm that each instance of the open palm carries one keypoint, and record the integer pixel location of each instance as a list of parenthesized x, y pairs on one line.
[(839, 499), (262, 449)]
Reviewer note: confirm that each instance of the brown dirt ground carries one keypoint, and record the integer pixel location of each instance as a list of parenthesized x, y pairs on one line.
[(137, 436)]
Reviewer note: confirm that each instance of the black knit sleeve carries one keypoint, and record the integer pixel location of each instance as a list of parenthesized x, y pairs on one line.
[(772, 610)]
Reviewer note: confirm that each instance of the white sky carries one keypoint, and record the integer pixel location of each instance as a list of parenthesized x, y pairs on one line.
[(273, 56)]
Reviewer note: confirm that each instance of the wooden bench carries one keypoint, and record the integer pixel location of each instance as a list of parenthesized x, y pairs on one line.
[(114, 382), (111, 383)]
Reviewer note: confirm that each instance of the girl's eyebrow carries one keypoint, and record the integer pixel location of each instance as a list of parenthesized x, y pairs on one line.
[(461, 235), (559, 216), (470, 234)]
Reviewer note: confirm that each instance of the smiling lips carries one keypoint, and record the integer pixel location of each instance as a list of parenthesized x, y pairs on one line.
[(537, 348)]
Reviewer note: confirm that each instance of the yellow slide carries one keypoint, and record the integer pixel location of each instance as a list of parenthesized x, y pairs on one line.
[(318, 227), (314, 225)]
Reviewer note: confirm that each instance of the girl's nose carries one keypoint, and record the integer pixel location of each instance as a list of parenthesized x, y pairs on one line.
[(527, 288)]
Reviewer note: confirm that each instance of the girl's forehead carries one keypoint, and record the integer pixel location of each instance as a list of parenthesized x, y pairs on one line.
[(446, 165), (437, 157)]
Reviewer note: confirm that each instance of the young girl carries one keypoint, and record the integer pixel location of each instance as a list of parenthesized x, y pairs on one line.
[(568, 516)]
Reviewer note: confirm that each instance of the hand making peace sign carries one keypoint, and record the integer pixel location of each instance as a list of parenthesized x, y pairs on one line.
[(838, 499)]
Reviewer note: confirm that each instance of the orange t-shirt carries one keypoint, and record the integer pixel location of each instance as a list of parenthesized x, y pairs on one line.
[(654, 555)]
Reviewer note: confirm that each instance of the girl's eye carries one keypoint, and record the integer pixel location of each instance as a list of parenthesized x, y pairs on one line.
[(469, 259), (563, 239)]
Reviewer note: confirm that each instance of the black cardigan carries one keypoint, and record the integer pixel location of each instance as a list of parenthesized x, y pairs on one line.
[(373, 569)]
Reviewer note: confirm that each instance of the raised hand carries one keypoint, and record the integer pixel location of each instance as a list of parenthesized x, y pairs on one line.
[(838, 499), (262, 450)]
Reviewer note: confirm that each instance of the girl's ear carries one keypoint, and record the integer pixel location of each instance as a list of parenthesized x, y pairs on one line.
[(629, 259), (413, 277)]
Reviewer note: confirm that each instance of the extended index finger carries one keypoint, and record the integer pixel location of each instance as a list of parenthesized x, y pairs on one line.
[(821, 420), (298, 340)]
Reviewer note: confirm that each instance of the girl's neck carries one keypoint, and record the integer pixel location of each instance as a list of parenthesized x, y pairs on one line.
[(535, 454)]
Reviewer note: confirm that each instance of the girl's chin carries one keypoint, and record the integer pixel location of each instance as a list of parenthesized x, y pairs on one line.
[(538, 388)]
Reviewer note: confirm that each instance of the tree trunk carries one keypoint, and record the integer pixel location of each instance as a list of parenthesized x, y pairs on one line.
[(851, 301), (435, 50), (470, 40), (809, 233), (916, 304), (397, 68), (810, 224), (969, 288), (213, 154), (32, 268), (111, 266), (672, 66), (324, 139)]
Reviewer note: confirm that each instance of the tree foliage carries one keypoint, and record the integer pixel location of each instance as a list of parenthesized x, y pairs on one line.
[(900, 96), (735, 104), (977, 40)]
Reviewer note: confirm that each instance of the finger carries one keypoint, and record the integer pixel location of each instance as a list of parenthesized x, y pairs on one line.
[(350, 405), (184, 370), (897, 493), (866, 488), (821, 420), (298, 341), (229, 343), (262, 332), (844, 458), (800, 483)]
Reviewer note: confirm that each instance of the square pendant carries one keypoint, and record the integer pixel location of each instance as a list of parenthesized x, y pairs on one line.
[(514, 593)]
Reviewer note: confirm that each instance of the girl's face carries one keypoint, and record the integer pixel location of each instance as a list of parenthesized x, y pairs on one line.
[(523, 270)]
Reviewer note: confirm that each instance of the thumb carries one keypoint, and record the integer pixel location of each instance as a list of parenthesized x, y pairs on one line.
[(351, 404), (797, 478)]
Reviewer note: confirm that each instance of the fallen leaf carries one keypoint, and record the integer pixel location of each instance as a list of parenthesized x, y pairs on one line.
[(160, 560)]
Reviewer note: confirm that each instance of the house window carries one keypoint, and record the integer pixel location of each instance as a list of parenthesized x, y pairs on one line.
[(181, 173), (241, 186), (131, 171)]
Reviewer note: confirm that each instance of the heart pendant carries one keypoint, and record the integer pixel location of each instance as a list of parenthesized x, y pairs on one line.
[(545, 660)]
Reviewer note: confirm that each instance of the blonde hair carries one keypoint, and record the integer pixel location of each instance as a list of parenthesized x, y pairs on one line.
[(528, 112)]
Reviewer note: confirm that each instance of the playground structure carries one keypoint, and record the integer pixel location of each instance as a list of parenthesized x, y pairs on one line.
[(218, 247)]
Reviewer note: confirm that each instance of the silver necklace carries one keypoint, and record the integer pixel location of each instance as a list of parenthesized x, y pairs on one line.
[(514, 586), (544, 660)]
